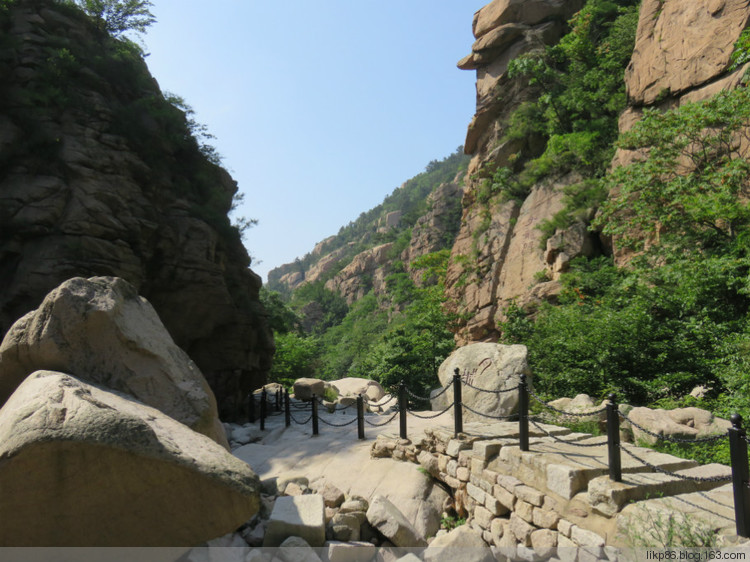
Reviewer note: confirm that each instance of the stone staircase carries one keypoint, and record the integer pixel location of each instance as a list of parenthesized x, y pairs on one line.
[(563, 488)]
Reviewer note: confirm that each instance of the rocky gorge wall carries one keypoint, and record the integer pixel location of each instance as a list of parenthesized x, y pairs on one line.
[(682, 53), (99, 175)]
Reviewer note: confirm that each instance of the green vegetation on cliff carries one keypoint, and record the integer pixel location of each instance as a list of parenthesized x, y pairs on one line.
[(398, 333), (677, 315)]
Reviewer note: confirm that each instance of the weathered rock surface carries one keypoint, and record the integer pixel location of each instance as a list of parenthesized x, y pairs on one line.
[(680, 423), (463, 537), (366, 265), (101, 331), (305, 388), (487, 366), (352, 386), (391, 523), (91, 186), (440, 222), (85, 466), (682, 45), (297, 516)]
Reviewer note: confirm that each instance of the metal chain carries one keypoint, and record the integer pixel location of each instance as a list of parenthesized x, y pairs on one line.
[(417, 396), (442, 391), (540, 428), (335, 409), (389, 420), (680, 476), (489, 415), (302, 406), (380, 404), (574, 414), (430, 416), (711, 439), (299, 422), (466, 383), (350, 422)]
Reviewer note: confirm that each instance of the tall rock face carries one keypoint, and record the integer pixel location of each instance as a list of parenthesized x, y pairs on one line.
[(497, 255), (100, 175), (682, 53)]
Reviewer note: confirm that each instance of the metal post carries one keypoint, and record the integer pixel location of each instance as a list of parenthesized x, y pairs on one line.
[(458, 418), (263, 410), (360, 417), (523, 414), (402, 406), (315, 414), (251, 407), (740, 475), (287, 409), (613, 440), (278, 399)]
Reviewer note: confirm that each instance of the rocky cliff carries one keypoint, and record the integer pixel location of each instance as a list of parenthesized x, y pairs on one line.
[(364, 253), (100, 175), (681, 53)]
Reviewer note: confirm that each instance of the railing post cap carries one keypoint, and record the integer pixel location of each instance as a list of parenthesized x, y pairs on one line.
[(736, 420), (522, 376), (612, 397)]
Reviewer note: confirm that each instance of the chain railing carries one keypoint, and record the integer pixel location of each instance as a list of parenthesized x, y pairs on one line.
[(737, 436)]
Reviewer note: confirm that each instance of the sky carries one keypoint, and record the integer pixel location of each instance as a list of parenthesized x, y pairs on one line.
[(319, 108)]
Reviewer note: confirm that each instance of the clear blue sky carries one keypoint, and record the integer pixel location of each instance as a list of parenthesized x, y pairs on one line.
[(320, 108)]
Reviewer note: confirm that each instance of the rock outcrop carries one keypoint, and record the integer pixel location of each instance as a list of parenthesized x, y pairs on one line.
[(365, 272), (101, 331), (85, 466), (497, 255), (682, 53), (99, 176), (493, 368)]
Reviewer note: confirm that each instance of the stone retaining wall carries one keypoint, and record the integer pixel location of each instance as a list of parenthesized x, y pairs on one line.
[(508, 505)]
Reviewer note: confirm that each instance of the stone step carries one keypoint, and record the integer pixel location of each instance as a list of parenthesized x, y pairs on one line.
[(608, 497), (711, 510), (566, 469)]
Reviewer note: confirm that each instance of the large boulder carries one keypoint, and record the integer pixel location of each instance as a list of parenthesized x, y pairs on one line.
[(101, 331), (297, 516), (680, 423), (85, 466), (352, 386), (473, 548), (391, 523), (486, 366), (304, 388)]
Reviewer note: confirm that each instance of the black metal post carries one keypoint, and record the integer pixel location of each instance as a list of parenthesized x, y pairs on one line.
[(613, 440), (458, 417), (523, 414), (263, 410), (315, 414), (287, 409), (740, 475), (402, 406), (360, 417), (251, 407), (278, 399)]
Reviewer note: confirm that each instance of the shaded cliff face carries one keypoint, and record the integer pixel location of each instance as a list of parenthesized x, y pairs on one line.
[(99, 175), (681, 53)]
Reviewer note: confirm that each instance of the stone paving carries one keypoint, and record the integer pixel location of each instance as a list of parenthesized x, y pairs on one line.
[(560, 488)]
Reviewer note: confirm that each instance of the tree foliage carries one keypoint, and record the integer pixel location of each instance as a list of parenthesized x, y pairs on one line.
[(117, 17), (677, 315)]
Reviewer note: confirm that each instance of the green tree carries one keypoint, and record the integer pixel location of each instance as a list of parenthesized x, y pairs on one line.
[(296, 357), (119, 16), (689, 189)]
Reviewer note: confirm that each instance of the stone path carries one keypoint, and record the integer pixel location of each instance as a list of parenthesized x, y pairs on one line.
[(564, 470)]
